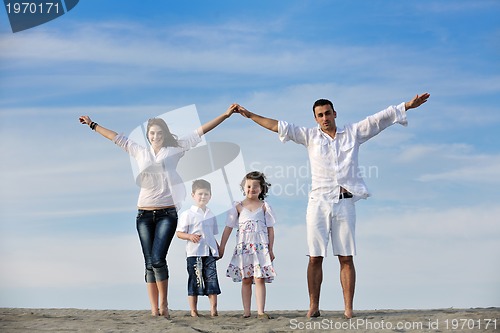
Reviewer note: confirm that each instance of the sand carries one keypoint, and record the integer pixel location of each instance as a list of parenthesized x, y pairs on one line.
[(79, 320)]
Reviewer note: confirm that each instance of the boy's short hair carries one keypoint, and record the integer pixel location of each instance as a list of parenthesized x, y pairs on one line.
[(201, 184)]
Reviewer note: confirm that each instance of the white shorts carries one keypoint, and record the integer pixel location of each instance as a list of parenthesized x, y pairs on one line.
[(331, 220)]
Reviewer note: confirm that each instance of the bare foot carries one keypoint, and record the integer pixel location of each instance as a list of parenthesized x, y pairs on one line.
[(263, 316), (313, 313), (348, 314), (194, 313), (165, 313)]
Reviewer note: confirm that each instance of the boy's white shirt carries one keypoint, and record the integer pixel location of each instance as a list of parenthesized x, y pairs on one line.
[(196, 221)]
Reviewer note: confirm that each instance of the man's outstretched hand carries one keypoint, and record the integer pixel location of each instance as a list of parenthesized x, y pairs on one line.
[(417, 101)]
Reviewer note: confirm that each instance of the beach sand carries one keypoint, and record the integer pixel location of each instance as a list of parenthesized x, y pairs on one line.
[(79, 320)]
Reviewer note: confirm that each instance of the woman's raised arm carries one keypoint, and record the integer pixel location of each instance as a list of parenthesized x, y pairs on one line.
[(107, 133)]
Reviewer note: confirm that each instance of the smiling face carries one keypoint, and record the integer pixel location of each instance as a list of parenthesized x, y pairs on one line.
[(156, 137), (325, 117), (252, 188)]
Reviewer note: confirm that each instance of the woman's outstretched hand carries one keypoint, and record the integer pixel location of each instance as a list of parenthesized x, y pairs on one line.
[(85, 120), (231, 109)]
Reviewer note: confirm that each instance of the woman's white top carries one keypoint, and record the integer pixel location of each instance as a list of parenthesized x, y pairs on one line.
[(157, 177)]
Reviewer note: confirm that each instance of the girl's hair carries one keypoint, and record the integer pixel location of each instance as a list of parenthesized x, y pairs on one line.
[(169, 139), (256, 175)]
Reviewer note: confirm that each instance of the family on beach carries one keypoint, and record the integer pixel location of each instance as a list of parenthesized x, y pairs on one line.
[(335, 186)]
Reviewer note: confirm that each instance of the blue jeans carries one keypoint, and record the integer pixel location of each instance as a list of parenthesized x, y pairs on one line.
[(156, 229)]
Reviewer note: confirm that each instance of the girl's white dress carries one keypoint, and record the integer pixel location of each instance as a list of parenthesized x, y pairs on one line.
[(251, 255)]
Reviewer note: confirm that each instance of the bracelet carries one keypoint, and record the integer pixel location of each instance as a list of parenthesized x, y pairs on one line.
[(93, 125)]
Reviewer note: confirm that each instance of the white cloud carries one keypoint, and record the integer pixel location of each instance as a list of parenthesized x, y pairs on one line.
[(460, 161)]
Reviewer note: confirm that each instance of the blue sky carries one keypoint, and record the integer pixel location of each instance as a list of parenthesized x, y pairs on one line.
[(427, 238)]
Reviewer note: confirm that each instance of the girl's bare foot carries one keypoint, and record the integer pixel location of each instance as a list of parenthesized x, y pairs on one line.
[(165, 313), (263, 316)]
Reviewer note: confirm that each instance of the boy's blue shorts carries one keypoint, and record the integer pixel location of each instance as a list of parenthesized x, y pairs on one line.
[(202, 276)]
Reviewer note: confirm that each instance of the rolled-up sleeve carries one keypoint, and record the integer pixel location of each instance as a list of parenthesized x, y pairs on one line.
[(128, 145), (376, 123), (290, 132), (190, 141)]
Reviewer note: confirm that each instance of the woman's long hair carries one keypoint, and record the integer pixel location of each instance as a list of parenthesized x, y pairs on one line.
[(169, 139)]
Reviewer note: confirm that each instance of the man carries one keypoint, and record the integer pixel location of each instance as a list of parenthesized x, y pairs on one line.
[(336, 185)]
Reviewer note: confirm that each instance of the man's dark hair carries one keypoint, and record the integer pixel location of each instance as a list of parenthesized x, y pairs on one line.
[(321, 102)]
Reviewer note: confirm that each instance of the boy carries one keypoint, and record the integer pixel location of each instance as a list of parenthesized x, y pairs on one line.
[(198, 227)]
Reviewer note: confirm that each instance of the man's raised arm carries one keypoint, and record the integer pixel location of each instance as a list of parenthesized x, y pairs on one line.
[(270, 124)]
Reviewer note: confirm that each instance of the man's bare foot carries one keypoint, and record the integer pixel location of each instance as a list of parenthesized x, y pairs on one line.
[(348, 314), (313, 313)]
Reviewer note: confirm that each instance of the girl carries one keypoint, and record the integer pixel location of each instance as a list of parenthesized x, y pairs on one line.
[(156, 219), (253, 255)]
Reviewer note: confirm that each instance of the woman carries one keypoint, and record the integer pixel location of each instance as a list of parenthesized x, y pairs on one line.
[(157, 214)]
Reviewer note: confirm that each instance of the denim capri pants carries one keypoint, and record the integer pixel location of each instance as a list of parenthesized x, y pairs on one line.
[(156, 229)]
